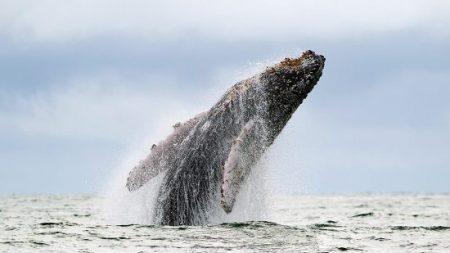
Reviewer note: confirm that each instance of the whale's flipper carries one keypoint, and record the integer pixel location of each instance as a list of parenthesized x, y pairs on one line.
[(242, 156), (156, 162)]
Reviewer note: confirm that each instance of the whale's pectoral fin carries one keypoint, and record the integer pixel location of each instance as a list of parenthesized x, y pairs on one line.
[(243, 154), (155, 163)]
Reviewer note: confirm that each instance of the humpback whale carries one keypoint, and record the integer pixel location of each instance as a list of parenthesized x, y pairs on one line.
[(207, 158)]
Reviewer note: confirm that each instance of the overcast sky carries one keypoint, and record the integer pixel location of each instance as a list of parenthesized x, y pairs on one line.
[(87, 86)]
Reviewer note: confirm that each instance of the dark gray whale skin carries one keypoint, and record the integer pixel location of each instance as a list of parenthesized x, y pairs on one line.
[(202, 171)]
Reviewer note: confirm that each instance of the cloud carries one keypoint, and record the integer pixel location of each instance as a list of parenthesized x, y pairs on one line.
[(53, 20), (97, 108)]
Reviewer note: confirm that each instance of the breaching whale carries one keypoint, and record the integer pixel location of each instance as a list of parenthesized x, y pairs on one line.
[(208, 158)]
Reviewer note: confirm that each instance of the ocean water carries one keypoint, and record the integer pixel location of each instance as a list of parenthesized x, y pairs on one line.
[(296, 223)]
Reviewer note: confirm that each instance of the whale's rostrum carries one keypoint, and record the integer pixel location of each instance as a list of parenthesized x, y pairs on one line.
[(209, 157)]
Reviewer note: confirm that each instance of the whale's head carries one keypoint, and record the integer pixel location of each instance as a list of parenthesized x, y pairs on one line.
[(286, 85), (269, 99)]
